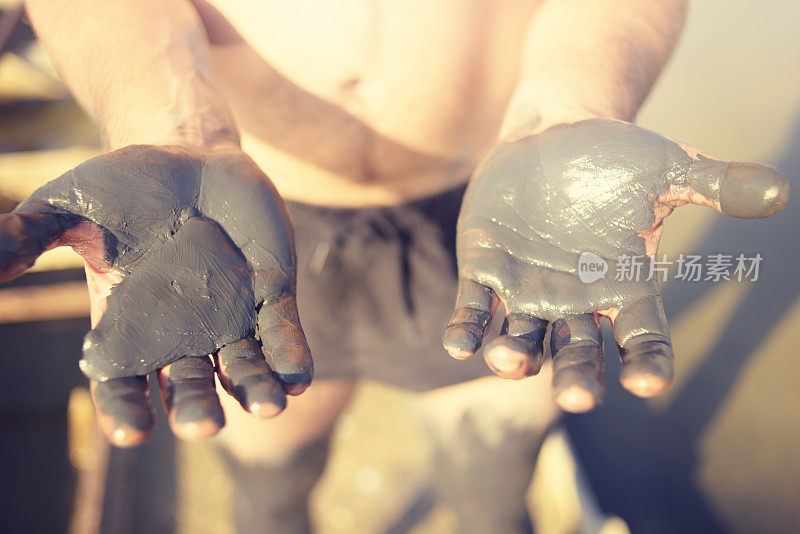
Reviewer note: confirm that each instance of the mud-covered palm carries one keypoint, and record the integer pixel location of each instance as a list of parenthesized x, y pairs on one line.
[(188, 255), (600, 188)]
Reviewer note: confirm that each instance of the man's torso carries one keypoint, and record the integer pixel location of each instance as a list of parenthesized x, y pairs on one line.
[(365, 102)]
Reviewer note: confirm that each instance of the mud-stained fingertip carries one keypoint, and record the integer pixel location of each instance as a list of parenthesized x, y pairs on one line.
[(295, 384), (190, 397), (285, 345), (513, 358), (121, 435), (576, 392), (261, 398), (647, 368), (196, 413), (750, 190), (464, 334), (198, 429), (267, 410), (574, 399), (643, 382), (471, 316), (243, 372), (28, 231), (461, 340), (124, 412), (292, 365)]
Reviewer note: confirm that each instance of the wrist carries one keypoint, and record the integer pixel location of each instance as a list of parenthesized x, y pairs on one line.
[(534, 121), (529, 113), (197, 119), (204, 138)]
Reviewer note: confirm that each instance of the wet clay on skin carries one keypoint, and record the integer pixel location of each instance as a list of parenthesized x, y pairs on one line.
[(203, 243), (591, 187), (595, 186)]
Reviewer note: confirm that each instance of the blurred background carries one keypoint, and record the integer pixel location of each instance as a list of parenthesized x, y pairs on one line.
[(718, 452)]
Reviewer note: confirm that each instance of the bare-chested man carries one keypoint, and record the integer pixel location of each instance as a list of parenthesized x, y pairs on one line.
[(369, 117)]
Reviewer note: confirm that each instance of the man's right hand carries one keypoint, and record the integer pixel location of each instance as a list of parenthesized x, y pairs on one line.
[(189, 256)]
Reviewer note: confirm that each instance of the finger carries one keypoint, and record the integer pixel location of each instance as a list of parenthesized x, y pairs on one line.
[(189, 395), (517, 352), (244, 374), (267, 244), (577, 347), (87, 192), (189, 296), (266, 241), (644, 347), (124, 412), (475, 304), (26, 232), (746, 190), (43, 217), (284, 343)]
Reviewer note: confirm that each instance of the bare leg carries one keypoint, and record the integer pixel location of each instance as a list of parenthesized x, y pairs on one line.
[(275, 463), (487, 434)]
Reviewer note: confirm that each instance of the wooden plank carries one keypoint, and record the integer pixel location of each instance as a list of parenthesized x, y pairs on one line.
[(58, 259), (89, 454), (21, 173), (20, 80), (66, 300)]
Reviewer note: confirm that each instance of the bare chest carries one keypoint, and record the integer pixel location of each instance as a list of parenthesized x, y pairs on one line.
[(369, 89)]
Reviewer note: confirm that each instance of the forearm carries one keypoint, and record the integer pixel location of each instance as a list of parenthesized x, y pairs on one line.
[(139, 67), (591, 59)]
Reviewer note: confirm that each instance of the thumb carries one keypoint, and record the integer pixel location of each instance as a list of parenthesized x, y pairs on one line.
[(26, 233), (747, 190)]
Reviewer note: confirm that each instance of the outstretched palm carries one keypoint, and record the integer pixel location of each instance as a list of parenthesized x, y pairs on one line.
[(600, 187), (188, 255)]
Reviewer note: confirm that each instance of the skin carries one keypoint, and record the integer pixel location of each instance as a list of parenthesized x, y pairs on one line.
[(358, 104), (537, 203), (184, 276)]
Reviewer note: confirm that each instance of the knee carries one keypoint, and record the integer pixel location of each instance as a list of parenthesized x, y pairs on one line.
[(491, 410), (307, 420)]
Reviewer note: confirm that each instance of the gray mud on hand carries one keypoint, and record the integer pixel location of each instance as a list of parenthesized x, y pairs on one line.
[(745, 190), (139, 195), (191, 234), (190, 295), (536, 204)]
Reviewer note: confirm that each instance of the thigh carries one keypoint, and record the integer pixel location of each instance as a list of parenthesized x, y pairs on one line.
[(306, 418), (495, 405)]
